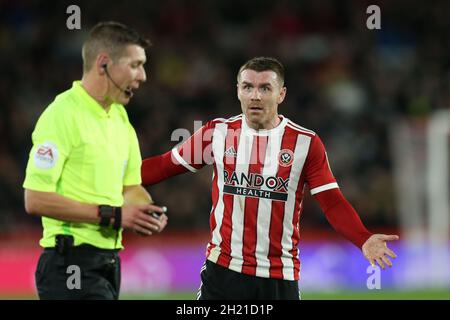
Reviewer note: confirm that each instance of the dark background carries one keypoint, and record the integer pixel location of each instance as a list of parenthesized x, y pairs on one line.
[(346, 82)]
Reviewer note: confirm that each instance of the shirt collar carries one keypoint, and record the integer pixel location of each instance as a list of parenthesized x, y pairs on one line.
[(264, 132), (91, 103)]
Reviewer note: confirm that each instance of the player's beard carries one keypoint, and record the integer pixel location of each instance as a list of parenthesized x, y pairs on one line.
[(256, 117), (265, 118)]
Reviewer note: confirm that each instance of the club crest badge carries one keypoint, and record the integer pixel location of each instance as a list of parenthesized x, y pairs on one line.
[(285, 158)]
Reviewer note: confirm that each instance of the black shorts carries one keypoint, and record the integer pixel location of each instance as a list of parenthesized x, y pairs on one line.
[(219, 283), (84, 272)]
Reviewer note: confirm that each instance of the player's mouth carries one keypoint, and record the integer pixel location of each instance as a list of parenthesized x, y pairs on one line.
[(255, 109)]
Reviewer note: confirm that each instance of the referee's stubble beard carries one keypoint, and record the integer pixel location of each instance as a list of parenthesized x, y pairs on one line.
[(128, 74)]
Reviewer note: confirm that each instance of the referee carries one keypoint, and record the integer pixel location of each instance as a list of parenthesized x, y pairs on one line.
[(84, 162)]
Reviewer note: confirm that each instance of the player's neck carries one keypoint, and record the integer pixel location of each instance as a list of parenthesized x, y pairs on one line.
[(271, 124)]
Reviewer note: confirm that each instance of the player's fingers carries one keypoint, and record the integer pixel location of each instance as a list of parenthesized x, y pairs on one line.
[(389, 237), (390, 253), (380, 262), (371, 261), (386, 261)]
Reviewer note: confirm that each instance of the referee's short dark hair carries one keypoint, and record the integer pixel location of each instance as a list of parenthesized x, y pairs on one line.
[(260, 64), (111, 37)]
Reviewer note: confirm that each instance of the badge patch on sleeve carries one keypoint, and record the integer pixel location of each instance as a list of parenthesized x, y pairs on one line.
[(46, 156)]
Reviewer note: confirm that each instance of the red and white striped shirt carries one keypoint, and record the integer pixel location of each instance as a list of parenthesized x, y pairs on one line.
[(257, 191)]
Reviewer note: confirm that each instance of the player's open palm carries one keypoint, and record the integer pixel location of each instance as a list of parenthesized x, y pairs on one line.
[(375, 249)]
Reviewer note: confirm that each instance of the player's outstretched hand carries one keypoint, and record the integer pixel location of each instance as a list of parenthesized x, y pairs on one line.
[(375, 249)]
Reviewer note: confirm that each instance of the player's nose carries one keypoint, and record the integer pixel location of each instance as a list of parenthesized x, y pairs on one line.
[(256, 95)]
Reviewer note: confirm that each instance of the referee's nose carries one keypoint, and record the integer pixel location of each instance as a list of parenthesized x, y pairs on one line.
[(141, 76)]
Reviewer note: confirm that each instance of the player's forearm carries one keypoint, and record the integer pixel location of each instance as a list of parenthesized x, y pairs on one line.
[(53, 205), (158, 168), (343, 217)]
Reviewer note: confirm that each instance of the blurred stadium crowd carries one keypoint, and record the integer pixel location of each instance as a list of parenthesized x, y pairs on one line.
[(347, 83)]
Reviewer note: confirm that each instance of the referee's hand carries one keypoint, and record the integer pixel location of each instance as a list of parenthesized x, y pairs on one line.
[(138, 219)]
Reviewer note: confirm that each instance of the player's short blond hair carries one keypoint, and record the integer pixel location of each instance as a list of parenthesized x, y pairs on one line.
[(111, 37)]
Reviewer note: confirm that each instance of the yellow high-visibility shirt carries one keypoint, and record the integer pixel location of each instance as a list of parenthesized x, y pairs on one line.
[(84, 153)]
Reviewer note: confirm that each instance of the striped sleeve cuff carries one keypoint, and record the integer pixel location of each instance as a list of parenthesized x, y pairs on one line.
[(325, 187), (182, 161)]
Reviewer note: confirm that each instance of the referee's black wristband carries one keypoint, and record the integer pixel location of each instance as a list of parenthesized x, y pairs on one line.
[(117, 218), (106, 213)]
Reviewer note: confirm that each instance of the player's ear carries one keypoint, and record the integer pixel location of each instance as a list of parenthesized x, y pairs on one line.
[(282, 95)]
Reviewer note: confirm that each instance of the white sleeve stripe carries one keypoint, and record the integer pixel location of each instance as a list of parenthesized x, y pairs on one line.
[(300, 130), (182, 161), (325, 187)]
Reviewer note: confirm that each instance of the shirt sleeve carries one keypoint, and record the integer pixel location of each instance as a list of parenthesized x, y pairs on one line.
[(52, 143), (158, 168), (317, 168), (342, 216), (132, 175), (196, 151)]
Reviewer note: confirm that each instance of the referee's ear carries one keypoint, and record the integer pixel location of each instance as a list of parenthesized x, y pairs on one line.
[(101, 63)]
